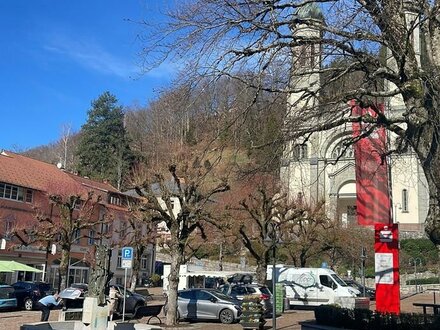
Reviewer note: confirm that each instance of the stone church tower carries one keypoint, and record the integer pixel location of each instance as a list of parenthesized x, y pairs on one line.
[(321, 168)]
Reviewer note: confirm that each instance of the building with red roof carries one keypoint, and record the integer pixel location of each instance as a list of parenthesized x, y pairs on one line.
[(25, 187)]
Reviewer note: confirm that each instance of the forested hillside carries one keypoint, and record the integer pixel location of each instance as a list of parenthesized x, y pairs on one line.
[(213, 116)]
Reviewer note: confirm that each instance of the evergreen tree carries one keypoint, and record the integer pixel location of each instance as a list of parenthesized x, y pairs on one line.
[(104, 151)]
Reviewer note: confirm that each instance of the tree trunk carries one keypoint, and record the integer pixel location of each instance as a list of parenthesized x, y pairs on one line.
[(261, 272), (64, 269), (134, 278), (173, 281)]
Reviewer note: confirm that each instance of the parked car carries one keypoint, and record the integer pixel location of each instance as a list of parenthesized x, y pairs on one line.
[(132, 300), (369, 292), (28, 293), (7, 297), (238, 291), (74, 295), (206, 304)]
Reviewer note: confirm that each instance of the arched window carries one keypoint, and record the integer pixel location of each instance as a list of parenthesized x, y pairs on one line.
[(342, 151), (404, 200)]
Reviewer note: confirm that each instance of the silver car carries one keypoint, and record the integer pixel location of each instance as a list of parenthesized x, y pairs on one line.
[(207, 304)]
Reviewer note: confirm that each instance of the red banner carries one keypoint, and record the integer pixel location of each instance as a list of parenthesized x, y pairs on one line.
[(386, 257), (372, 191)]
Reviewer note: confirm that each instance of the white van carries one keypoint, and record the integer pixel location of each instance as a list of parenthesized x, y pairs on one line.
[(313, 286)]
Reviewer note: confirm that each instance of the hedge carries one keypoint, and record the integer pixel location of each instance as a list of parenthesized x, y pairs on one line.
[(364, 319), (429, 280)]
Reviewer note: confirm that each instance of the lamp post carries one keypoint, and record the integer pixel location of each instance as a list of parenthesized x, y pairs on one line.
[(272, 240), (363, 258), (415, 261)]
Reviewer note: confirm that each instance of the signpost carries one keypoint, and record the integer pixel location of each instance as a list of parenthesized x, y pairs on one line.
[(386, 258), (126, 263)]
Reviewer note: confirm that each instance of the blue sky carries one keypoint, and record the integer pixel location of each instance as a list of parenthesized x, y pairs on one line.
[(57, 56)]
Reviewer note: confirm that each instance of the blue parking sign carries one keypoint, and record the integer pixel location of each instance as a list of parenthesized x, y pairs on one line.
[(127, 253)]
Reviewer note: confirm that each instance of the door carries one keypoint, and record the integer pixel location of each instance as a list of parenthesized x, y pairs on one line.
[(187, 305), (207, 307), (327, 289)]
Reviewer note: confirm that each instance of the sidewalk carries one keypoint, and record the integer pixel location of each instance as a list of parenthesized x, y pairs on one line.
[(288, 321)]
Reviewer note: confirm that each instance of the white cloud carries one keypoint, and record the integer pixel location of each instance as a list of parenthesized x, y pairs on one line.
[(92, 56)]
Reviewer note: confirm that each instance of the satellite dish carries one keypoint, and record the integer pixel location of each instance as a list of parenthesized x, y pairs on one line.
[(59, 165)]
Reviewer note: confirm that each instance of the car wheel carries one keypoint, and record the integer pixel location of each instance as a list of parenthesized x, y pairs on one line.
[(226, 316), (28, 304)]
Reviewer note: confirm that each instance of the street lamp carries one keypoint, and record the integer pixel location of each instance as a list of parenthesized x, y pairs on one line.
[(271, 240), (415, 261), (363, 258)]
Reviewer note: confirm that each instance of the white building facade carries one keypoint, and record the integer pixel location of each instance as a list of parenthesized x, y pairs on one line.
[(323, 167)]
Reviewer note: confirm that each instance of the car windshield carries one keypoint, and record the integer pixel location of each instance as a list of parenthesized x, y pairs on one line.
[(221, 295), (338, 280)]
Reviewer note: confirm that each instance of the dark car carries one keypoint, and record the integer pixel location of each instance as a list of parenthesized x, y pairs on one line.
[(132, 300), (28, 293), (206, 304), (74, 295), (238, 291), (7, 297), (369, 292)]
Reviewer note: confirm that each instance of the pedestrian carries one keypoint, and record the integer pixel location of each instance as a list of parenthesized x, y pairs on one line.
[(114, 296), (46, 304)]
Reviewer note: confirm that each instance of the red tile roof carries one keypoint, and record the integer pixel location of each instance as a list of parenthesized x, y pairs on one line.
[(30, 173)]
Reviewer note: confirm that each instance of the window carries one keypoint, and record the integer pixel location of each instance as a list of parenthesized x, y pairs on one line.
[(91, 237), (78, 204), (203, 295), (404, 200), (122, 229), (29, 196), (312, 55), (351, 213), (119, 262), (144, 262), (327, 281), (300, 151), (8, 226), (8, 191), (342, 151), (76, 236), (115, 200)]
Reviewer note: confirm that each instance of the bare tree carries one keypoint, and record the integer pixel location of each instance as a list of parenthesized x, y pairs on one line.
[(194, 194), (308, 235), (376, 38), (140, 234), (71, 217)]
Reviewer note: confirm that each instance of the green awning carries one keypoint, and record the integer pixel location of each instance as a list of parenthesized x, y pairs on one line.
[(13, 266)]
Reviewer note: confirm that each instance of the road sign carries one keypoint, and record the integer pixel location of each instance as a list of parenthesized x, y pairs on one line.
[(127, 257), (127, 253), (126, 263)]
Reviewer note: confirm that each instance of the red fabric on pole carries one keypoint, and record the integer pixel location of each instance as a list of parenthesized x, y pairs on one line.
[(372, 188)]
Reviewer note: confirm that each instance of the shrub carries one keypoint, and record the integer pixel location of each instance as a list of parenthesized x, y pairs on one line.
[(155, 279), (429, 280), (363, 319)]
